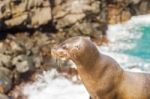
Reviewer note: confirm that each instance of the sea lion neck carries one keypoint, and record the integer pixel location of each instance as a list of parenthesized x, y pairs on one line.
[(87, 57)]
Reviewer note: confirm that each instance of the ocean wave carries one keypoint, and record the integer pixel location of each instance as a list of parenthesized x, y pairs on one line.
[(124, 37)]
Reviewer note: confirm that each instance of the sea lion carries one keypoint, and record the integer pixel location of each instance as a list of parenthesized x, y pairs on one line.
[(101, 75)]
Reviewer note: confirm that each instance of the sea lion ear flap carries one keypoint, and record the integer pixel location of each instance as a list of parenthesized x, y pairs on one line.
[(77, 47)]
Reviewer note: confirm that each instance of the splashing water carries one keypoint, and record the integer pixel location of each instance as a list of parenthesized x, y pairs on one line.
[(51, 85), (130, 43)]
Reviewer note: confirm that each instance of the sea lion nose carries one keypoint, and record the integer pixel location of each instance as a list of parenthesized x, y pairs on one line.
[(55, 51)]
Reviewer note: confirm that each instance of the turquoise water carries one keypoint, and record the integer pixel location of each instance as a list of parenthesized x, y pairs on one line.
[(142, 45), (130, 43)]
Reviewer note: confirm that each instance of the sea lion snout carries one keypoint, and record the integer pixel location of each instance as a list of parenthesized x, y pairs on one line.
[(59, 52)]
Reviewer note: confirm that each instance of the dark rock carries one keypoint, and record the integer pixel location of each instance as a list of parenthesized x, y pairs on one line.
[(16, 20), (37, 61), (40, 17), (34, 3), (63, 13), (133, 9), (25, 13), (66, 13), (16, 48), (5, 60), (74, 21), (2, 96), (144, 7), (5, 80), (23, 63)]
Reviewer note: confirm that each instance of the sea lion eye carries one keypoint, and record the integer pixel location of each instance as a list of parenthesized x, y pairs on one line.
[(77, 47), (64, 47)]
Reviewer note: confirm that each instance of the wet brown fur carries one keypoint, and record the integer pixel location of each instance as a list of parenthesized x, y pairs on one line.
[(100, 74)]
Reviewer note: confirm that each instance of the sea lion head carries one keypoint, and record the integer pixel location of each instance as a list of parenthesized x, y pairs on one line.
[(78, 49)]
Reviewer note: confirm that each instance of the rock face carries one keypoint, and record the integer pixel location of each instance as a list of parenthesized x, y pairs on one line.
[(68, 15), (24, 13), (78, 17), (71, 17), (23, 63), (122, 10), (5, 80), (5, 60), (21, 54)]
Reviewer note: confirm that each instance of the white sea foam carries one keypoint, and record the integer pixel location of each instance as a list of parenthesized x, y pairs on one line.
[(143, 19), (120, 36), (49, 87)]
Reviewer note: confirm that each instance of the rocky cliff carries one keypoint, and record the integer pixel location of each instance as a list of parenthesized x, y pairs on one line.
[(75, 17)]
